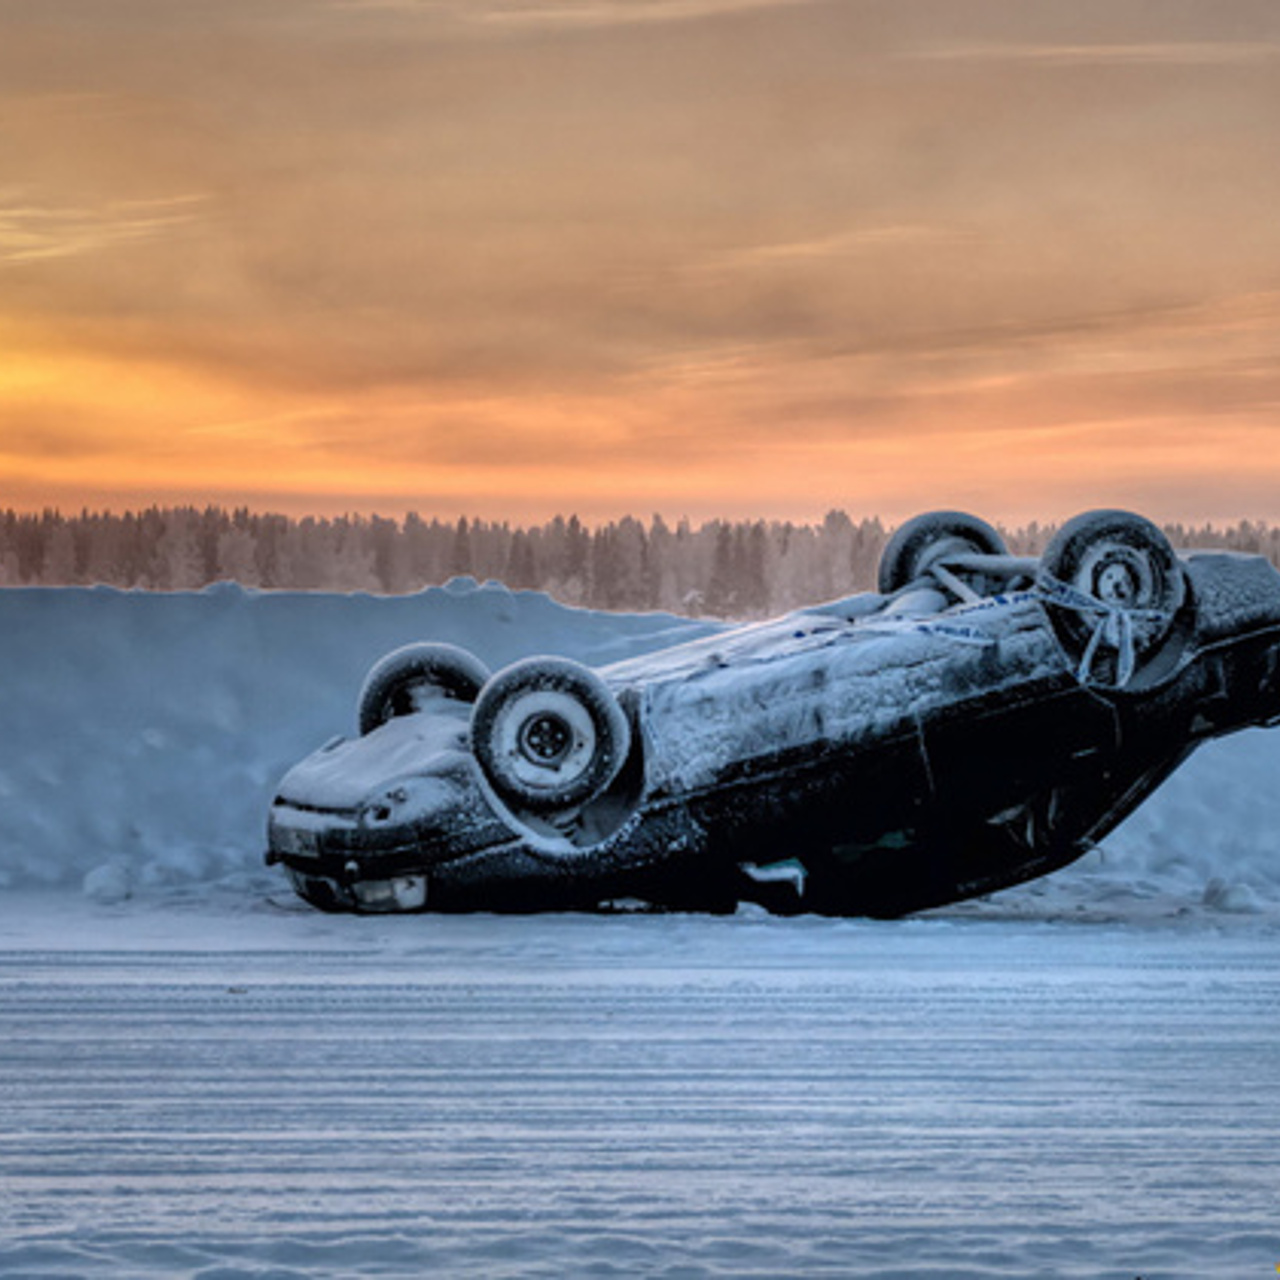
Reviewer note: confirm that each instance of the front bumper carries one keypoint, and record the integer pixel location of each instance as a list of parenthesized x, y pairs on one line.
[(395, 894)]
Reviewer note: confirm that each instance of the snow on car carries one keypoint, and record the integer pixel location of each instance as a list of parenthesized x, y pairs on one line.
[(980, 720)]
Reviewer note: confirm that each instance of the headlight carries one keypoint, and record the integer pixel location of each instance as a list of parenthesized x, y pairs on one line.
[(400, 893)]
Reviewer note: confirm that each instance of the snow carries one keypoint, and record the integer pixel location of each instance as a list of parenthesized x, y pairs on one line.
[(798, 681), (147, 732), (201, 1077), (216, 1089), (345, 773)]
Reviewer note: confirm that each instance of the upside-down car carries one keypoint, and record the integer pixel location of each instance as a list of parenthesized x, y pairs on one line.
[(979, 720)]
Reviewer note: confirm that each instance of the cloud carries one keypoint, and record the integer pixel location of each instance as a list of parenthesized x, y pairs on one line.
[(568, 14), (1189, 53), (838, 244), (33, 232), (603, 13), (295, 245)]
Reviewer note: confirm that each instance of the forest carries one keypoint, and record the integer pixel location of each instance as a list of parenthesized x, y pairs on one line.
[(719, 568)]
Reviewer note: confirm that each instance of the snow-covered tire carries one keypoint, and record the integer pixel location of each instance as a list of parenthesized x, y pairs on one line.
[(926, 539), (548, 734), (1126, 564), (400, 683)]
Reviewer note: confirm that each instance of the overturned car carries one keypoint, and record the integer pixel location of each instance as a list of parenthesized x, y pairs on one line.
[(980, 720)]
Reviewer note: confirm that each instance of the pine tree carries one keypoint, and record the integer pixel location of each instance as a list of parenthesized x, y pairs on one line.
[(722, 584), (521, 572), (460, 561), (59, 553)]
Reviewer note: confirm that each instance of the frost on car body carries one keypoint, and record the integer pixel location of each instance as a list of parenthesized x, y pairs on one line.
[(980, 720)]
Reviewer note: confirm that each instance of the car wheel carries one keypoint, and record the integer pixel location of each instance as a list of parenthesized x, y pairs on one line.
[(402, 682), (548, 734), (926, 539), (1114, 586)]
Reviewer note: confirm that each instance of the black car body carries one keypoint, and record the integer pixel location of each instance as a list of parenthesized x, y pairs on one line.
[(980, 720)]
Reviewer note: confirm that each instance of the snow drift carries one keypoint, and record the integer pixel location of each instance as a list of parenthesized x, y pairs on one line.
[(144, 734)]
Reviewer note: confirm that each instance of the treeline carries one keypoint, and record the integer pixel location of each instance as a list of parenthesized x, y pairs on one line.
[(721, 568)]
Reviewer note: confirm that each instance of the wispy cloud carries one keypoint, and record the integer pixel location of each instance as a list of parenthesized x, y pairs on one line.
[(32, 232), (839, 244), (573, 13), (1161, 53), (602, 13)]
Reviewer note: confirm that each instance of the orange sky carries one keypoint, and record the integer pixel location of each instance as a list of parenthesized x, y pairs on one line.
[(705, 257)]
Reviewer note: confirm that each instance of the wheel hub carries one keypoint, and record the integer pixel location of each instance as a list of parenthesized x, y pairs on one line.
[(546, 739), (1116, 583)]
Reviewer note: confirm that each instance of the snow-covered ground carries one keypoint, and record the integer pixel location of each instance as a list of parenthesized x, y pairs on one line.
[(217, 1090), (145, 733), (200, 1077)]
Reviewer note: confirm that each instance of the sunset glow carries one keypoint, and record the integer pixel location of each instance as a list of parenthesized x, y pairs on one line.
[(702, 257)]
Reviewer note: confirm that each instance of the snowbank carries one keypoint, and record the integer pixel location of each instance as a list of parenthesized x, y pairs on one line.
[(143, 735)]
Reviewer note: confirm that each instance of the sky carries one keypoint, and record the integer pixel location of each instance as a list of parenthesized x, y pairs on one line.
[(512, 258)]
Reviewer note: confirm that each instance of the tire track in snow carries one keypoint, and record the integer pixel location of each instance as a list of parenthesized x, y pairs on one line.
[(323, 1116)]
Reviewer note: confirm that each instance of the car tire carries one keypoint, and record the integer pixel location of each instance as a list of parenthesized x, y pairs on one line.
[(925, 539), (548, 735), (400, 683), (1124, 563)]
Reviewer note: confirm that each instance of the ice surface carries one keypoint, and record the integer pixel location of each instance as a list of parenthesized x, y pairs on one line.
[(216, 1089)]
